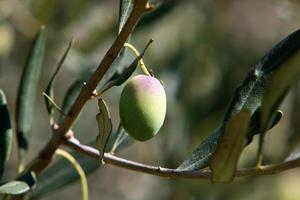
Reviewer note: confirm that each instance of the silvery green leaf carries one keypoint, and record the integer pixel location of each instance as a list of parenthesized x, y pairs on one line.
[(14, 188), (124, 12), (28, 89)]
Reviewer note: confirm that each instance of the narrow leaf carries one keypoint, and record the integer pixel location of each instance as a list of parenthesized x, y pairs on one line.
[(14, 188), (202, 154), (282, 80), (50, 88), (254, 125), (120, 77), (124, 12), (5, 133), (104, 125), (225, 158), (28, 89)]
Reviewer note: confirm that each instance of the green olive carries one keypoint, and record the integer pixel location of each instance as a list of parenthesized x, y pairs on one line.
[(143, 106)]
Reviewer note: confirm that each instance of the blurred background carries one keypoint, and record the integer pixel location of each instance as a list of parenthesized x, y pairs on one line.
[(202, 50)]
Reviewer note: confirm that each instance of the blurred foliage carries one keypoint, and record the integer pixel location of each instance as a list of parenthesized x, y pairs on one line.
[(201, 51)]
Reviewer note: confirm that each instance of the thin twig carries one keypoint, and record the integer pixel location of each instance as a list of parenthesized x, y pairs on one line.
[(175, 173), (45, 156)]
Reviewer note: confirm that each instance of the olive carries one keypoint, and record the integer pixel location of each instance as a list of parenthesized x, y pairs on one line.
[(142, 107)]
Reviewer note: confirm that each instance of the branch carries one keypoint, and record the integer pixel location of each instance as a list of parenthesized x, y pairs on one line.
[(45, 156), (175, 173)]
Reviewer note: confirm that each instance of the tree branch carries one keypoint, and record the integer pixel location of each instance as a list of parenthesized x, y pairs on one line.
[(45, 156), (175, 173)]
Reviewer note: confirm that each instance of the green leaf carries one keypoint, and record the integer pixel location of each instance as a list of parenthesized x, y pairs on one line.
[(249, 95), (5, 133), (61, 174), (125, 9), (50, 88), (28, 89), (226, 156), (14, 188), (202, 154), (282, 80), (285, 72), (254, 125), (120, 77), (104, 125)]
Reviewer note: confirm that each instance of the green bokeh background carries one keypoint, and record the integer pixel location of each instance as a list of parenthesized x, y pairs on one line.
[(202, 50)]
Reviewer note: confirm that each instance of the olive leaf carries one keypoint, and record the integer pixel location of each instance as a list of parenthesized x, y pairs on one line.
[(104, 126), (50, 88), (282, 80), (14, 188), (285, 74), (124, 12), (120, 77), (23, 184), (28, 88), (225, 158), (201, 155), (249, 95), (5, 133), (254, 126)]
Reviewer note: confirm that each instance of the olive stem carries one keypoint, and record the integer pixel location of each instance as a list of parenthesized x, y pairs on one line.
[(176, 173), (141, 62), (79, 170)]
